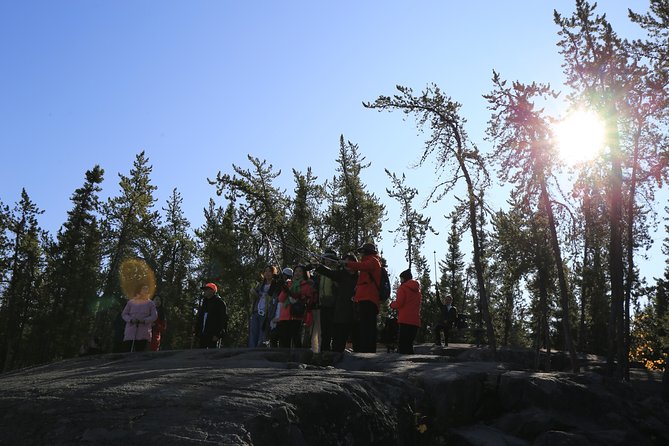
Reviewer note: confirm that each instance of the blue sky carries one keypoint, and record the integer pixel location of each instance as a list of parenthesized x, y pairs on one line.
[(199, 85)]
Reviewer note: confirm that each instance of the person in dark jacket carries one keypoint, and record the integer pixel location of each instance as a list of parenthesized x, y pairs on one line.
[(327, 297), (408, 305), (449, 314), (345, 325), (212, 317)]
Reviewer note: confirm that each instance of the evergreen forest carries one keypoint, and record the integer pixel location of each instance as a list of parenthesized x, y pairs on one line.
[(555, 270)]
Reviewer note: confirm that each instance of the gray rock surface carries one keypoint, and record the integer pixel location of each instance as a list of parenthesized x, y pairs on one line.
[(454, 396)]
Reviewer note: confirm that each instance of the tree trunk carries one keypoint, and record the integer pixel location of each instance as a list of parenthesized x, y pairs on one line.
[(564, 293), (631, 216), (616, 322), (585, 285), (478, 265)]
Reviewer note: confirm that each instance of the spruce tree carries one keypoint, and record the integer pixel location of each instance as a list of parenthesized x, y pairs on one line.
[(523, 148), (303, 218), (229, 258), (413, 226), (358, 214), (261, 209), (455, 156), (73, 277), (129, 231), (608, 76), (5, 246), (19, 298), (175, 271)]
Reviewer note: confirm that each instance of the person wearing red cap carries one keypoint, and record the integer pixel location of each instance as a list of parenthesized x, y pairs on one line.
[(212, 317), (367, 294)]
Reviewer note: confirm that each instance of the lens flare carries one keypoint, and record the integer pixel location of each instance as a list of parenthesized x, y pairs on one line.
[(579, 136), (137, 279)]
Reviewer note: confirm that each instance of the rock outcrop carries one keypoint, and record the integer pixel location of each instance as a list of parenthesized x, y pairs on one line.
[(454, 396)]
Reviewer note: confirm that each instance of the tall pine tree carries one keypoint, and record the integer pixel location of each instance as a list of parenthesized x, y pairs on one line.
[(25, 270)]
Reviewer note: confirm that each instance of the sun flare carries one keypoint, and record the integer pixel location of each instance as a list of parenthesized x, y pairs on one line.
[(579, 136)]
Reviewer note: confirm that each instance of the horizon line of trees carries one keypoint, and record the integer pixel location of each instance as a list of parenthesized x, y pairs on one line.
[(555, 270)]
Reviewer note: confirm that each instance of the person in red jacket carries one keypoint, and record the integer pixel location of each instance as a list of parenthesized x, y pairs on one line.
[(295, 296), (367, 295), (407, 304), (159, 325)]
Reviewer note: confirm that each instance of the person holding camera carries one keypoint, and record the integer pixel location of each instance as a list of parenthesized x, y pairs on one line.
[(260, 298), (294, 300), (344, 322), (282, 282)]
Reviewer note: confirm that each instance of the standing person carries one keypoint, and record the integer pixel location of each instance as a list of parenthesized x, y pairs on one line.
[(212, 317), (273, 329), (294, 303), (367, 294), (344, 323), (283, 325), (138, 314), (327, 297), (408, 305), (260, 297), (159, 325), (449, 314)]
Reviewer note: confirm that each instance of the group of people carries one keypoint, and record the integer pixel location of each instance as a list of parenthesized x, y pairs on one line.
[(323, 306), (320, 305), (308, 305), (326, 304)]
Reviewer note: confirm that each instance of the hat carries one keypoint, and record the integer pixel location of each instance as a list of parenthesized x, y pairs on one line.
[(368, 248), (210, 286), (406, 274), (330, 254), (287, 272)]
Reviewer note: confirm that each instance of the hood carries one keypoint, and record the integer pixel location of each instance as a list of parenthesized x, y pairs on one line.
[(412, 285)]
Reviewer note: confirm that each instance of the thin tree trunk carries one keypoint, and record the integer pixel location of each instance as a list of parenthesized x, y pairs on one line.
[(616, 325), (585, 285), (478, 264), (631, 214), (564, 293)]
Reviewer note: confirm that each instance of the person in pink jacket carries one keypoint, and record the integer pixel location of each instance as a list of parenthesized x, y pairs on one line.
[(138, 314), (407, 304)]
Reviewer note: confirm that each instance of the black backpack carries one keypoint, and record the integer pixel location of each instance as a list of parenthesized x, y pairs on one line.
[(384, 288)]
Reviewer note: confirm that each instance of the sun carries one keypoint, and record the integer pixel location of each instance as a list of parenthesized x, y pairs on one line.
[(579, 136)]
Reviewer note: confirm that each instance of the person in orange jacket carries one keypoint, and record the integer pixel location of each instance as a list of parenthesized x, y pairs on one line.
[(367, 295), (407, 304)]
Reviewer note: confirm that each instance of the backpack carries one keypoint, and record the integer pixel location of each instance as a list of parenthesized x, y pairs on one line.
[(385, 287)]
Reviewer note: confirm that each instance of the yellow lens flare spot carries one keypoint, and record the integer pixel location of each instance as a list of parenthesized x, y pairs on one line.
[(137, 279), (579, 136)]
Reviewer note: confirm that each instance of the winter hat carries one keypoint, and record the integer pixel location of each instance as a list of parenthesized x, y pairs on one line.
[(367, 248), (406, 274), (210, 286), (330, 254), (287, 272)]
